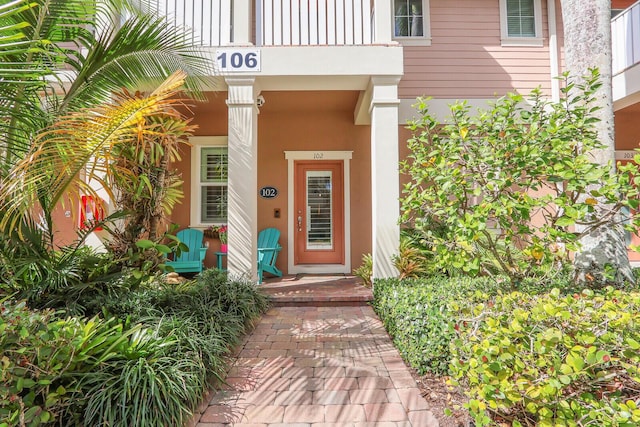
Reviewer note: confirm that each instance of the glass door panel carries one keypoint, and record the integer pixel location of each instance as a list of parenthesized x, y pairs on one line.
[(319, 210)]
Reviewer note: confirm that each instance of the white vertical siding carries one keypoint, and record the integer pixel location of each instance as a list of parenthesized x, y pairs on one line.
[(625, 35)]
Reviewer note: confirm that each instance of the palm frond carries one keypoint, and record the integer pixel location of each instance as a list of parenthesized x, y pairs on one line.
[(143, 51), (74, 151), (36, 39)]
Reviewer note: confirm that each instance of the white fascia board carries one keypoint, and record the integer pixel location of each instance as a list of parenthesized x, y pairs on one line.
[(441, 108), (332, 61), (302, 83), (626, 87), (284, 61), (289, 68)]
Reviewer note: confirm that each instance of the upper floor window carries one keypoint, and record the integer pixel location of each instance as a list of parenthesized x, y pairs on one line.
[(521, 22), (411, 22), (209, 180)]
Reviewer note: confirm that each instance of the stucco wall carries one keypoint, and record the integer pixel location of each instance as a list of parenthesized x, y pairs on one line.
[(294, 121)]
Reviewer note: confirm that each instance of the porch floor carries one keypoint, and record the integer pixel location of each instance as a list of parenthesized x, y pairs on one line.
[(317, 290)]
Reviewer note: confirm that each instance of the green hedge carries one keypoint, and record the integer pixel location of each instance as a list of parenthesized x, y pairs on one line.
[(156, 352), (415, 313), (551, 359)]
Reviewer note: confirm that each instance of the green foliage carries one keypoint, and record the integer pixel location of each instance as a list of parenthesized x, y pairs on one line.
[(365, 271), (410, 261), (160, 380), (43, 359), (60, 278), (501, 191), (150, 188), (552, 359), (416, 314), (81, 371), (204, 320)]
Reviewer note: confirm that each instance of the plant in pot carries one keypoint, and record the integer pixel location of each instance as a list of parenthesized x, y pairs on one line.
[(222, 235), (218, 232)]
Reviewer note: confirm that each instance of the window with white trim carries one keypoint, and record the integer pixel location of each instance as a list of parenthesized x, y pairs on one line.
[(209, 180), (521, 22), (411, 22)]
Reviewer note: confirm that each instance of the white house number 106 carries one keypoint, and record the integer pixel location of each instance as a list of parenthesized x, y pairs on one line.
[(238, 59)]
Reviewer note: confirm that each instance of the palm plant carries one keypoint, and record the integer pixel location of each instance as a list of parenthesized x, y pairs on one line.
[(60, 57), (79, 143)]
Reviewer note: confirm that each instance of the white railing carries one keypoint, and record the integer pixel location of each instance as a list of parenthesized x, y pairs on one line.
[(625, 39), (277, 22), (210, 20), (313, 22)]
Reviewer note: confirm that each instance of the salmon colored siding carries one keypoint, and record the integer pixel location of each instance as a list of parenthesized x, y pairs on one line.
[(466, 59)]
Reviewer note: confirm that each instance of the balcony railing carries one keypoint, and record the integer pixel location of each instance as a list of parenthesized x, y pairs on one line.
[(314, 22), (210, 20), (625, 38), (277, 22)]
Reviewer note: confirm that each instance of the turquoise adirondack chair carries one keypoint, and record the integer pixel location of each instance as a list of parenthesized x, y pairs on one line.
[(192, 261), (268, 249)]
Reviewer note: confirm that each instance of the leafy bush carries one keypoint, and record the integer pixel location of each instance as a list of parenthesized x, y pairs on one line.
[(160, 381), (416, 314), (82, 370), (551, 359), (44, 357), (203, 319), (501, 190)]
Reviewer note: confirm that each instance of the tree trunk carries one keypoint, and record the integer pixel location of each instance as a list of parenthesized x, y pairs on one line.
[(587, 33)]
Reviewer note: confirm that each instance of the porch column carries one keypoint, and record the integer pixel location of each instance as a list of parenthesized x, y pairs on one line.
[(243, 176), (385, 181), (242, 23)]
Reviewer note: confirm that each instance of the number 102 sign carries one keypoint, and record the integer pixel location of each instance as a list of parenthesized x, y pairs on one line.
[(237, 59)]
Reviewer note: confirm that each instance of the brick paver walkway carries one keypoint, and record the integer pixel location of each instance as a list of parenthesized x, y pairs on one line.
[(318, 366)]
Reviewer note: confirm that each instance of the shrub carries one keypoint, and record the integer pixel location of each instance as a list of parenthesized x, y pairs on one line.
[(416, 314), (501, 190), (202, 320), (551, 359), (43, 357), (81, 371), (155, 381), (410, 260)]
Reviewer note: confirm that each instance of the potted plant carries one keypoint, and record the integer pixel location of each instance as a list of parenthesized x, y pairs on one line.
[(218, 232), (222, 235)]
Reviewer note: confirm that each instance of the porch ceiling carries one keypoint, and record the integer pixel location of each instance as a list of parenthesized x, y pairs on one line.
[(309, 101), (283, 101)]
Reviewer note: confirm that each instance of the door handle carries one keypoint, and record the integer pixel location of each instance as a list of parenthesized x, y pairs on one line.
[(299, 222)]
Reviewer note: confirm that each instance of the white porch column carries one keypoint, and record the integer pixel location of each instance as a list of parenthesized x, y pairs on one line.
[(383, 21), (242, 22), (385, 181), (243, 176)]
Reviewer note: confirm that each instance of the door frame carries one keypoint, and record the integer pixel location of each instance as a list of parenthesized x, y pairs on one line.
[(291, 157)]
